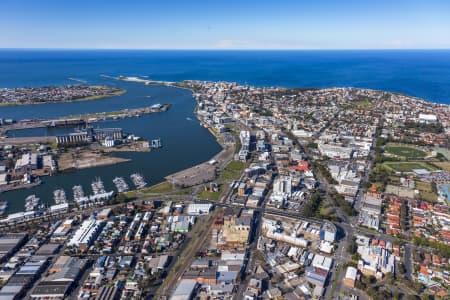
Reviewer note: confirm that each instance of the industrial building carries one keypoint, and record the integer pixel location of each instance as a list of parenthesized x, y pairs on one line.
[(86, 234), (90, 135), (9, 243), (185, 290), (64, 273), (27, 162), (108, 293), (199, 208), (27, 274)]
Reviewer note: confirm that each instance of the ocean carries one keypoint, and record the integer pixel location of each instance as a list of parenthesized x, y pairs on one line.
[(420, 73), (424, 74)]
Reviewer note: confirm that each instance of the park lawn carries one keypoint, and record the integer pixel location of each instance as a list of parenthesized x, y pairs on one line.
[(130, 194), (408, 166), (232, 171), (361, 104), (164, 187), (230, 126), (404, 151), (186, 191), (326, 210), (444, 165)]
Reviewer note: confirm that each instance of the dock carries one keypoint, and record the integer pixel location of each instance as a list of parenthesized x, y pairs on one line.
[(81, 120), (27, 140)]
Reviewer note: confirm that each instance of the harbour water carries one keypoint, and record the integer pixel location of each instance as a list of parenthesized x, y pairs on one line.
[(185, 143), (424, 74)]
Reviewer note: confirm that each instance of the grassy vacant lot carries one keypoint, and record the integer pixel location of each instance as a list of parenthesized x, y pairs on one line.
[(165, 188), (445, 165), (394, 180), (210, 195), (230, 173), (404, 151), (424, 186), (408, 166), (426, 191), (428, 196)]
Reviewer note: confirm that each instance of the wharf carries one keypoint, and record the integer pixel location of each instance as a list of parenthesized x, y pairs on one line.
[(82, 120), (27, 140), (18, 186), (140, 146)]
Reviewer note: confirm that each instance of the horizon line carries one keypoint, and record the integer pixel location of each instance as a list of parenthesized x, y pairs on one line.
[(224, 49)]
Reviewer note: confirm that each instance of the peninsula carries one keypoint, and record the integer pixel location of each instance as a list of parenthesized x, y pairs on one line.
[(55, 94)]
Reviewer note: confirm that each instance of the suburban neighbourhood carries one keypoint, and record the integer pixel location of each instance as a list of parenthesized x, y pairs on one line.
[(337, 193)]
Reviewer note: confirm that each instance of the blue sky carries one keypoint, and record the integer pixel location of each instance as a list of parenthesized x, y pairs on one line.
[(225, 24)]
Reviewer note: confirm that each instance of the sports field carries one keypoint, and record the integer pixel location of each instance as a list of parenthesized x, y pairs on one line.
[(408, 166), (404, 151)]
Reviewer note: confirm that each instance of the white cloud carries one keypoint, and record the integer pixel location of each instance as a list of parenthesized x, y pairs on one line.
[(400, 44), (226, 44)]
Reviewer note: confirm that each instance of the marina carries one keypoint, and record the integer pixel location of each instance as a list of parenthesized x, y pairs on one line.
[(121, 185), (97, 186), (78, 194), (138, 180), (59, 196), (31, 203)]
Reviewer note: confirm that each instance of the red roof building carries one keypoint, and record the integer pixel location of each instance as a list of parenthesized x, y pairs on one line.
[(301, 166)]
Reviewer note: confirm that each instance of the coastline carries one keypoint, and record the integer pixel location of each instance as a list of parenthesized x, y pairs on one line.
[(183, 85), (89, 98)]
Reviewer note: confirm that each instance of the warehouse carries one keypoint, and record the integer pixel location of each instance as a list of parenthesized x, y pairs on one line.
[(185, 290), (199, 208), (9, 243)]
